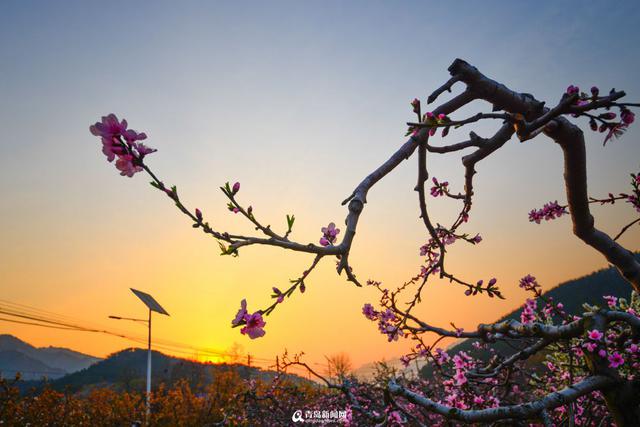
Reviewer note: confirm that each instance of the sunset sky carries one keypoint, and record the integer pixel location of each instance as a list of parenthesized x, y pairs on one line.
[(298, 101)]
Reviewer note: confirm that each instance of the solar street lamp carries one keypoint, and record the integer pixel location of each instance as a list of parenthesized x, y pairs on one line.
[(152, 305)]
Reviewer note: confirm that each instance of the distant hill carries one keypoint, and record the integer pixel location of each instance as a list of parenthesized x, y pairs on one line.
[(35, 363), (127, 370), (12, 362), (572, 294)]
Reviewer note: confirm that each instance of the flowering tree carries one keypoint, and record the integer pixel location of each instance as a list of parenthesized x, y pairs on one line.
[(591, 359)]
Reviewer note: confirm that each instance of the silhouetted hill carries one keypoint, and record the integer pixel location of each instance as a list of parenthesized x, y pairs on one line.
[(52, 362), (127, 370), (13, 362), (572, 294)]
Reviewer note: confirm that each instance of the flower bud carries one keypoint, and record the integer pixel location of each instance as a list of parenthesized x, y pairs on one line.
[(572, 90), (627, 116), (236, 187), (595, 91), (416, 106)]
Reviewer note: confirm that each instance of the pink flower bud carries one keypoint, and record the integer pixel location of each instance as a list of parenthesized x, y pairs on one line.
[(416, 105), (236, 187), (198, 214), (573, 89), (595, 91), (627, 116)]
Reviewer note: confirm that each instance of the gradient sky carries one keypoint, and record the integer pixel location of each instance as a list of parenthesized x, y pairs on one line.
[(298, 101)]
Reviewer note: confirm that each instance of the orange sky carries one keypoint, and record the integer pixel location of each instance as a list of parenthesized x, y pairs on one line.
[(299, 126)]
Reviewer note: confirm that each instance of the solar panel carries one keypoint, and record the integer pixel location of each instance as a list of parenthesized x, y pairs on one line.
[(149, 301)]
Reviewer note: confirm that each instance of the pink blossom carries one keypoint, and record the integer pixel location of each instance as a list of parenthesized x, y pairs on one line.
[(595, 335), (441, 355), (254, 325), (132, 136), (529, 283), (528, 314), (142, 149), (611, 300), (329, 234), (130, 153), (394, 417), (573, 89), (125, 164), (602, 353), (615, 360), (633, 348), (387, 315), (549, 211), (112, 148), (369, 312), (241, 313), (439, 188), (109, 127), (460, 378)]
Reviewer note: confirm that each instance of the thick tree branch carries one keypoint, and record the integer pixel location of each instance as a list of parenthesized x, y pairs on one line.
[(522, 412)]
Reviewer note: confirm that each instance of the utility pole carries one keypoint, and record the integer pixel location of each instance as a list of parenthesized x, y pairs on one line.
[(149, 371)]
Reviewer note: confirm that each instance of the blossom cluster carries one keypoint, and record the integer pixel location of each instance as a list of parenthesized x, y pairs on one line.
[(603, 122), (122, 143), (549, 211), (439, 188), (329, 234)]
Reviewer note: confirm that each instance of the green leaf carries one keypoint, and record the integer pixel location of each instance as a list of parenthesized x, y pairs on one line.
[(290, 220)]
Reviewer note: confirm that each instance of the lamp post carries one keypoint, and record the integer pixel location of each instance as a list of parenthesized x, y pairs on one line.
[(152, 305)]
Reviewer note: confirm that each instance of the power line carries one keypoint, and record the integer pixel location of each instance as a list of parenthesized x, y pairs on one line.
[(57, 321)]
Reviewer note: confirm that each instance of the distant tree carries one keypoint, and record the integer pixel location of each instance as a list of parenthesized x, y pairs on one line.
[(339, 365), (599, 376)]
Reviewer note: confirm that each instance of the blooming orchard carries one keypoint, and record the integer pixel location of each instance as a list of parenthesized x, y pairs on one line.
[(562, 368)]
